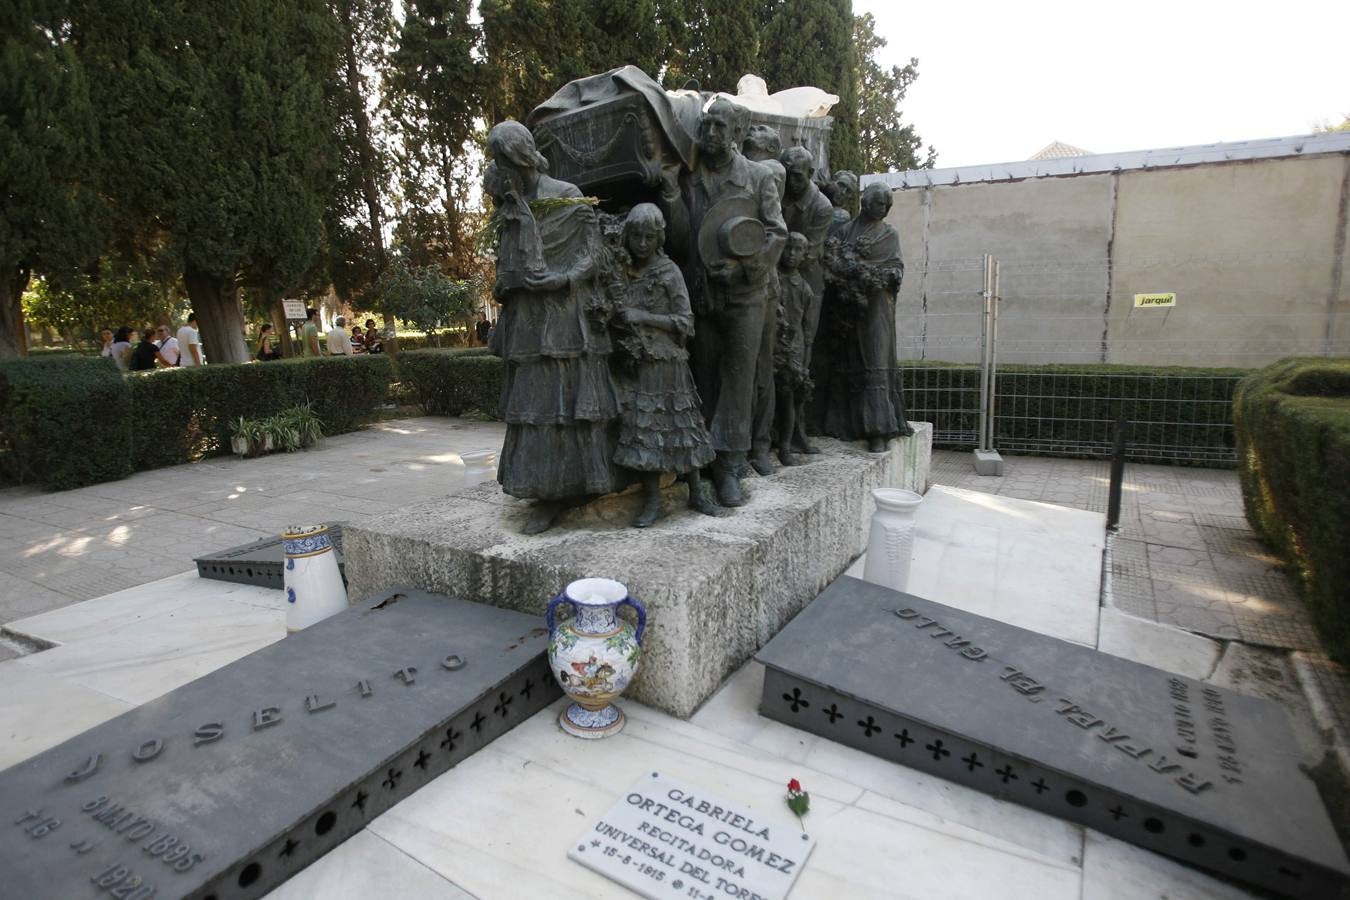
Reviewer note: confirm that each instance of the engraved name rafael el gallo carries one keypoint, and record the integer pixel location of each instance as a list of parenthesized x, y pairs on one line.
[(678, 808)]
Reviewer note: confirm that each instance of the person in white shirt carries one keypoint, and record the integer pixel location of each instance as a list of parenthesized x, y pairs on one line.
[(339, 344), (168, 348), (190, 344)]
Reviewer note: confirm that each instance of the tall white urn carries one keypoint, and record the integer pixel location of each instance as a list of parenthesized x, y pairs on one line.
[(890, 544)]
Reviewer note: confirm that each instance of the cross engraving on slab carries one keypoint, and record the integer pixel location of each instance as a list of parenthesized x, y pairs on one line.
[(972, 762), (451, 735), (391, 781), (1006, 773), (422, 757), (1118, 813), (503, 701), (833, 712), (529, 686), (938, 750), (797, 701), (360, 802), (904, 738), (477, 723), (1040, 785), (291, 844), (869, 726)]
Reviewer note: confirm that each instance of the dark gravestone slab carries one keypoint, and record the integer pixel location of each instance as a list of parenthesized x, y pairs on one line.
[(260, 562), (1200, 773), (231, 784)]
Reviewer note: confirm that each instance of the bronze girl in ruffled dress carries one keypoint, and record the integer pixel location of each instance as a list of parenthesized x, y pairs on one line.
[(661, 426)]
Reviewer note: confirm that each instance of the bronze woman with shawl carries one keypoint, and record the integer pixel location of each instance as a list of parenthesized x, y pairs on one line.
[(864, 270), (558, 401)]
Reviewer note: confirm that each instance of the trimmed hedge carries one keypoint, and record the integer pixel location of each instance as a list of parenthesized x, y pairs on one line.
[(65, 421), (1176, 413), (185, 413), (450, 382), (1293, 430)]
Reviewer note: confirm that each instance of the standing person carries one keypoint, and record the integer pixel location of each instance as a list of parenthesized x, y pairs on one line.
[(267, 350), (120, 348), (339, 344), (728, 293), (168, 348), (482, 327), (558, 399), (309, 335), (143, 357), (190, 343), (661, 427)]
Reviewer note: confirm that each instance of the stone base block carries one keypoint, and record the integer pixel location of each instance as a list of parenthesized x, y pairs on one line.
[(716, 589), (988, 462)]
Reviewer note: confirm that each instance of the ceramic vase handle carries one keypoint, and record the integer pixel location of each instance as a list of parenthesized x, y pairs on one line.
[(641, 614), (552, 605)]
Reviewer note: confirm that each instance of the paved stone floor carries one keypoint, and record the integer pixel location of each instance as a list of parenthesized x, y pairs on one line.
[(59, 548), (1183, 555)]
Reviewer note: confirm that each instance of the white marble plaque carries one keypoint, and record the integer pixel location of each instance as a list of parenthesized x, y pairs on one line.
[(667, 840)]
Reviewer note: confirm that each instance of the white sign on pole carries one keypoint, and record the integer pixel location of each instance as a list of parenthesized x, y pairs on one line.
[(295, 309)]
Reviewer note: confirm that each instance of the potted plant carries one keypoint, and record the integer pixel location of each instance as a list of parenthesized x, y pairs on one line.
[(247, 437)]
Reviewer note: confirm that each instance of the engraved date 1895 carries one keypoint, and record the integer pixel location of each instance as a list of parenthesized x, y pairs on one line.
[(122, 883)]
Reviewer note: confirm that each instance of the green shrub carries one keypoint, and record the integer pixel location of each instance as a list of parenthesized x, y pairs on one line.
[(450, 382), (1293, 431), (1175, 413), (65, 421), (186, 413)]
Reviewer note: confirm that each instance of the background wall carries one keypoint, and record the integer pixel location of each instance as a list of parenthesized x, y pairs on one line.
[(1254, 249)]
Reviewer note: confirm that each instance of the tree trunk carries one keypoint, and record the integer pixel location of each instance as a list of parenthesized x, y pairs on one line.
[(366, 150), (281, 328), (13, 282), (215, 300)]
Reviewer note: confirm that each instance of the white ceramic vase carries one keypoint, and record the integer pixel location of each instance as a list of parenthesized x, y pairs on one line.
[(890, 544), (594, 654), (479, 466), (314, 588)]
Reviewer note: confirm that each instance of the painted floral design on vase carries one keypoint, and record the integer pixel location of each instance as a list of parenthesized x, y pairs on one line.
[(314, 588), (594, 654)]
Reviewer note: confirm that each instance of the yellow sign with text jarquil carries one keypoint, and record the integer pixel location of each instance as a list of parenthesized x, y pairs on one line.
[(1148, 300)]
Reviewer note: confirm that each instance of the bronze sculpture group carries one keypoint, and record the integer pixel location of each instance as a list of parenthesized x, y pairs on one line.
[(721, 324)]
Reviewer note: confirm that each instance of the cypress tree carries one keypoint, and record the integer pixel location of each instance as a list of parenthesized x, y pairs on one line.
[(810, 42), (217, 140), (49, 221)]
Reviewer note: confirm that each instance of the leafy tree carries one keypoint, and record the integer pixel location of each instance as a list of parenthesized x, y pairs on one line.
[(885, 145), (712, 44), (217, 139), (434, 89), (117, 293), (1327, 127), (810, 42), (422, 295), (51, 213)]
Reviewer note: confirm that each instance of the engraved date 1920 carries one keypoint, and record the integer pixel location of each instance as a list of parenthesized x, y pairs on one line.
[(122, 883)]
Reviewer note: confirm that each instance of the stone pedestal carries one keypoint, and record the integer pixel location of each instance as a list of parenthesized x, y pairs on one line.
[(716, 589)]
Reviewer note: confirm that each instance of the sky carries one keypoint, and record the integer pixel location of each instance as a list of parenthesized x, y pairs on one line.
[(999, 81)]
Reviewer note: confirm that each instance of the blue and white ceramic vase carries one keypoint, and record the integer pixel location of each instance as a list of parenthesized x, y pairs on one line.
[(594, 654), (314, 588)]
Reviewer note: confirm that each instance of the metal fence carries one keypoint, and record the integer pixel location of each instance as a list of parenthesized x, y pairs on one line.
[(1179, 418)]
